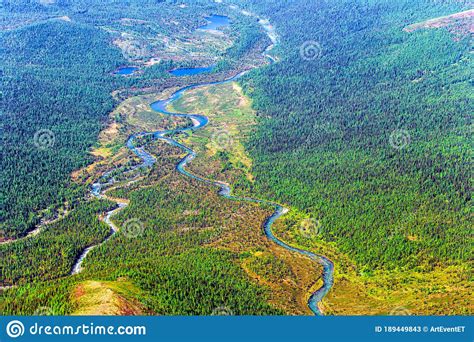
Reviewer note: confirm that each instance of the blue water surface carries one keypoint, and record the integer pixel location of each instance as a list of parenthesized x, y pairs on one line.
[(215, 22), (191, 71), (126, 70)]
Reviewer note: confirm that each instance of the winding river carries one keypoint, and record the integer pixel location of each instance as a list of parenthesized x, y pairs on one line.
[(200, 121)]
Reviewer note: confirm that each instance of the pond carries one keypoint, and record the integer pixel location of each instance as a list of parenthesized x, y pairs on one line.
[(125, 70), (215, 22), (191, 71)]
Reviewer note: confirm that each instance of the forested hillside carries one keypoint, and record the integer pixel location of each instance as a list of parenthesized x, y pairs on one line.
[(55, 95), (62, 90), (350, 120), (367, 127), (57, 63)]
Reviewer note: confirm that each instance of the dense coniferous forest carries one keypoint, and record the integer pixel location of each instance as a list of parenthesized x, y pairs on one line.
[(57, 93), (323, 143), (55, 96), (360, 125), (54, 251)]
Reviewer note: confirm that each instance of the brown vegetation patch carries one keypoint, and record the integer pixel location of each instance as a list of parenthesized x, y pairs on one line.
[(461, 23), (106, 298)]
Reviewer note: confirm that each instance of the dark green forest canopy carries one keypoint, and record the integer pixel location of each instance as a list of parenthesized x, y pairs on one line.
[(372, 136), (323, 142), (54, 87)]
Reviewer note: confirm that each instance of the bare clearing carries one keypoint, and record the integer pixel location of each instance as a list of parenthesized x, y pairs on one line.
[(106, 298), (459, 23)]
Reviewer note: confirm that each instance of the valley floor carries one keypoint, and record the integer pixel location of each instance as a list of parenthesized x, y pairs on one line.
[(177, 246)]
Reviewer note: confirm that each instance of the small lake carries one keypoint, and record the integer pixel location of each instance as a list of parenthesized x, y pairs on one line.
[(125, 70), (215, 22), (191, 71)]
